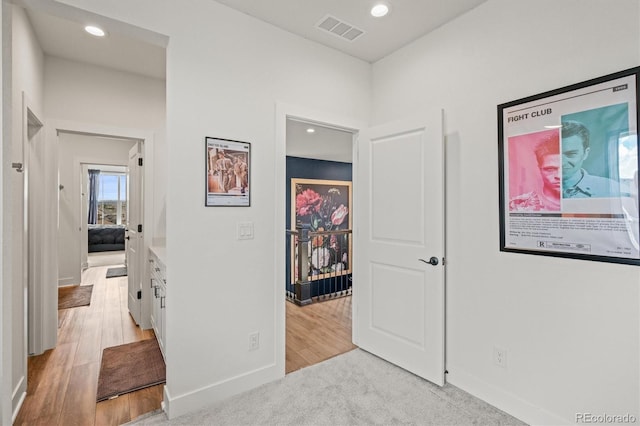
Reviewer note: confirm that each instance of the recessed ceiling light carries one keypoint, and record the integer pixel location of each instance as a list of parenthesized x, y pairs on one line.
[(311, 130), (95, 31), (379, 10)]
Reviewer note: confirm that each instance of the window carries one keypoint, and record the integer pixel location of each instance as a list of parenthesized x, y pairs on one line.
[(112, 198)]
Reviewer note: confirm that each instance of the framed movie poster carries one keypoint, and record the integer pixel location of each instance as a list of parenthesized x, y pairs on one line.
[(323, 207), (228, 172), (568, 163)]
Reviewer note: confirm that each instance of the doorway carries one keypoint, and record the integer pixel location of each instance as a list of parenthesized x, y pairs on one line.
[(414, 342), (79, 153), (318, 162), (85, 331), (104, 194)]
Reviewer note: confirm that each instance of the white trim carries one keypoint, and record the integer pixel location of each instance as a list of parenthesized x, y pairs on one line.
[(16, 410), (6, 310), (215, 392), (505, 401), (99, 130), (309, 115), (34, 152), (67, 281), (16, 389), (20, 388)]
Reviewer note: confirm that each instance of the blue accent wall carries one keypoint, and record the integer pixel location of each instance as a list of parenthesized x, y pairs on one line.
[(306, 168)]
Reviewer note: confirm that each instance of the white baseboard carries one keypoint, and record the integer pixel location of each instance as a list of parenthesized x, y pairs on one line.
[(67, 281), (192, 401), (505, 401), (21, 391)]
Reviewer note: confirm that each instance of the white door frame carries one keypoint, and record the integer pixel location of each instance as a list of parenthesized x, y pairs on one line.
[(34, 148), (284, 111), (50, 244)]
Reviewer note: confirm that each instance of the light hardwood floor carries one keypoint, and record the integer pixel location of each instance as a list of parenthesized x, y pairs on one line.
[(62, 382), (317, 332)]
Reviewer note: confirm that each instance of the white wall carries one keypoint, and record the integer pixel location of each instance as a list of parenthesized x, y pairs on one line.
[(227, 286), (225, 72), (27, 78), (82, 93), (5, 223), (571, 327), (74, 150), (559, 319)]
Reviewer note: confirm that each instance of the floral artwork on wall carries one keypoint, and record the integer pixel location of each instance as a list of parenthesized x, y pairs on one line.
[(323, 205)]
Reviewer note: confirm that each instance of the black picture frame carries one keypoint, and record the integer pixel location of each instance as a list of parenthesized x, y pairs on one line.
[(227, 173), (568, 171)]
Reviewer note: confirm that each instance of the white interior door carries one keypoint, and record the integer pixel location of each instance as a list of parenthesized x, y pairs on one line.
[(135, 243), (398, 294)]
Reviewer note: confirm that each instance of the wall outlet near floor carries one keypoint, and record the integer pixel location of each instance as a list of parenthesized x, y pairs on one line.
[(500, 356), (254, 341)]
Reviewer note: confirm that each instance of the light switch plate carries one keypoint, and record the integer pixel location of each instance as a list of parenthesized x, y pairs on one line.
[(245, 230)]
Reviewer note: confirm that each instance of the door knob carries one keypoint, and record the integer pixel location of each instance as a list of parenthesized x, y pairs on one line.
[(432, 261)]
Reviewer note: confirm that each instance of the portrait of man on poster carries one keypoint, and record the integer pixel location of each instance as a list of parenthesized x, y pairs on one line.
[(547, 197), (577, 182)]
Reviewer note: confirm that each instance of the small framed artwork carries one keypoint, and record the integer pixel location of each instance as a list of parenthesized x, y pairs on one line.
[(228, 173), (568, 163)]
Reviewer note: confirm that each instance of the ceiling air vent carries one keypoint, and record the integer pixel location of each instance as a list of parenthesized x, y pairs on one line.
[(339, 28)]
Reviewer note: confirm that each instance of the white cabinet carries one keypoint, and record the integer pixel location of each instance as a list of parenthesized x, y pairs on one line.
[(158, 283)]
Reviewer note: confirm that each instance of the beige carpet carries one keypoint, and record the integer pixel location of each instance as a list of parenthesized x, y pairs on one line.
[(355, 388), (73, 296), (130, 367)]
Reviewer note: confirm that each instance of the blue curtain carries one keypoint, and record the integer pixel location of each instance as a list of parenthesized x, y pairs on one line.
[(93, 196)]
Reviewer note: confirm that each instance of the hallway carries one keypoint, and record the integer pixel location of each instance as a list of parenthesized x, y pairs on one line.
[(62, 382)]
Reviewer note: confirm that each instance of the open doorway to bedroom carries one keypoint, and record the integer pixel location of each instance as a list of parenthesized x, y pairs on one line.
[(105, 191), (108, 158)]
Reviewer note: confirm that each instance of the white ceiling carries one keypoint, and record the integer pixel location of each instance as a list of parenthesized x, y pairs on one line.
[(62, 35), (66, 38), (407, 21), (323, 144)]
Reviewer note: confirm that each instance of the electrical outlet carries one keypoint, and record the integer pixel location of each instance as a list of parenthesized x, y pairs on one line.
[(500, 357), (254, 341)]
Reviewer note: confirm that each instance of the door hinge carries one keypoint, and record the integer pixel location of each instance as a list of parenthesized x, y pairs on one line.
[(139, 161), (139, 294), (139, 228)]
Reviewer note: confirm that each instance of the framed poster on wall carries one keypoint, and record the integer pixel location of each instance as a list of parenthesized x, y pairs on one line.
[(568, 171), (323, 207), (228, 172)]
